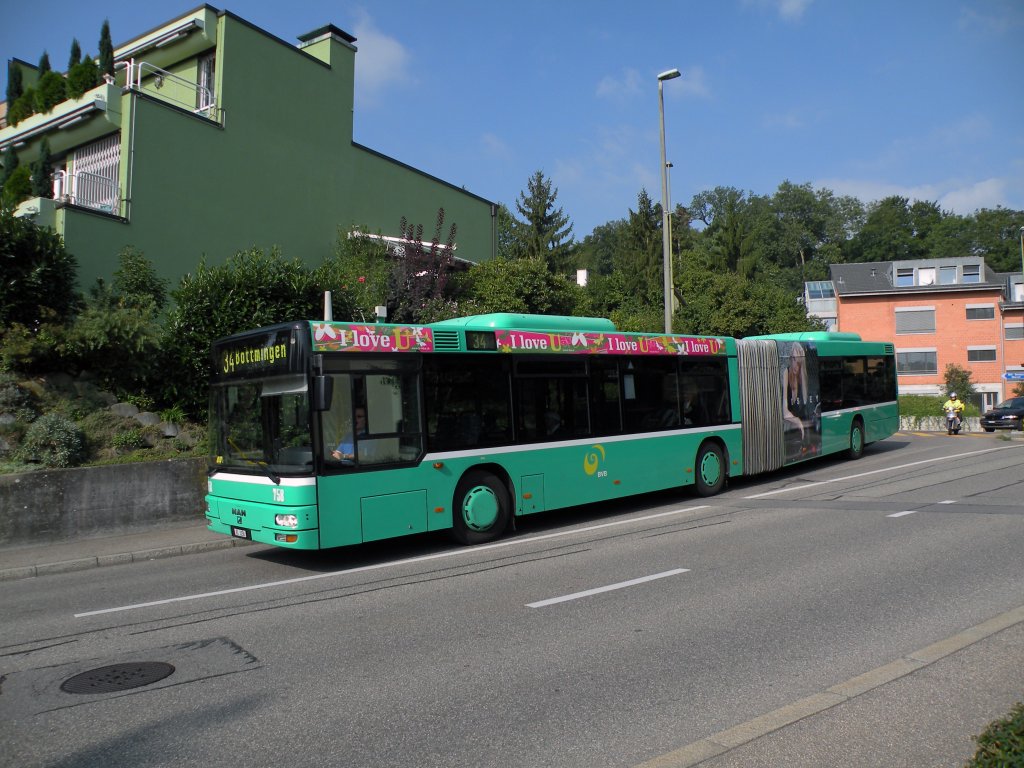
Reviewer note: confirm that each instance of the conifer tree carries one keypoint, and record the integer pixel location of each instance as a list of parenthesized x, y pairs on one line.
[(546, 232), (76, 54), (14, 83), (44, 64), (106, 50), (42, 171)]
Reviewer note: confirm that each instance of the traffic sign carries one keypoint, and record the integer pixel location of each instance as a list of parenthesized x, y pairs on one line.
[(1014, 375)]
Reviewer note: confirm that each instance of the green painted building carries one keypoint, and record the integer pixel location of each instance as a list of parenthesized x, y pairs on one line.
[(214, 136)]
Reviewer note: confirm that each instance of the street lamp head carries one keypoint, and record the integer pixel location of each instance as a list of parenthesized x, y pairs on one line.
[(672, 74)]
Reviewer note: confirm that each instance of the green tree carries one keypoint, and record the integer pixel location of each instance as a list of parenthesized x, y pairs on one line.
[(888, 233), (15, 86), (17, 187), (517, 285), (545, 231), (596, 253), (39, 274), (22, 107), (251, 289), (44, 64), (506, 226), (106, 63), (76, 54), (10, 163), (958, 379), (50, 91), (117, 335), (726, 237), (357, 275), (82, 77), (729, 305), (42, 171)]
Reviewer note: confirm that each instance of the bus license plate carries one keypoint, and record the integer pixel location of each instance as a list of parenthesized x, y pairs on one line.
[(241, 533)]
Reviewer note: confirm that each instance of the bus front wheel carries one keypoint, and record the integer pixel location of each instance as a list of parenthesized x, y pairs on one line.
[(709, 470), (481, 508)]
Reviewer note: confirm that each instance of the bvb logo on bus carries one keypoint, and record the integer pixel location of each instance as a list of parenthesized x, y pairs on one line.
[(593, 460)]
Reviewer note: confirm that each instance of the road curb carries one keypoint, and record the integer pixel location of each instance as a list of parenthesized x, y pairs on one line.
[(724, 741), (119, 558)]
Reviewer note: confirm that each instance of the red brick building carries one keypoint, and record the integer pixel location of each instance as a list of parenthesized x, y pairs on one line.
[(936, 312)]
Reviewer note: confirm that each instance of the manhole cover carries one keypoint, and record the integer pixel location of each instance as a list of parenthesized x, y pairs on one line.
[(117, 677)]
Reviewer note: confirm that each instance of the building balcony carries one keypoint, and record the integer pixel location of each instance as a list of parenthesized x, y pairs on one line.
[(71, 123)]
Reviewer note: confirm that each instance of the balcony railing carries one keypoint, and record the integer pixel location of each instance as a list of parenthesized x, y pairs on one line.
[(167, 86), (87, 190)]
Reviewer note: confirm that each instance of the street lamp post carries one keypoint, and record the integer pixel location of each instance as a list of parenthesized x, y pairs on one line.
[(666, 237)]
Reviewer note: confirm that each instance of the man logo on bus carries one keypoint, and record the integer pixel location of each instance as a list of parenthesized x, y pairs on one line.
[(592, 462)]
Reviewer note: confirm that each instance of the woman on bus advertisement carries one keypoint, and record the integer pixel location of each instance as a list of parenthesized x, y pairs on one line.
[(801, 401)]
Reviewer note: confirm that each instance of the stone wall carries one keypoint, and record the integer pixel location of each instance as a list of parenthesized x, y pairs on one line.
[(66, 504)]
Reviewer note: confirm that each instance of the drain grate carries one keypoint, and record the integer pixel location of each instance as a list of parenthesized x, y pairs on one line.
[(117, 677)]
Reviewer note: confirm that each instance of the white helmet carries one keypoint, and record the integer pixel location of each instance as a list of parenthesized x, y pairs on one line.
[(952, 395)]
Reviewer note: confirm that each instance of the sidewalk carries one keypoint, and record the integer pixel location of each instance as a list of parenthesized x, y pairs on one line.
[(80, 554)]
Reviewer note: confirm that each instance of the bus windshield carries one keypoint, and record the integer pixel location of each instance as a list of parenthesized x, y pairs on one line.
[(262, 425)]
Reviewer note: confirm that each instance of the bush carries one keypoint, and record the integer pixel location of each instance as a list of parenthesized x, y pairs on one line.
[(38, 272), (250, 290), (924, 406), (1001, 745), (53, 440), (50, 91), (14, 400)]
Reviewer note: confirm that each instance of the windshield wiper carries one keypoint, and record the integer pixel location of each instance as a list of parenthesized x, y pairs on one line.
[(275, 478)]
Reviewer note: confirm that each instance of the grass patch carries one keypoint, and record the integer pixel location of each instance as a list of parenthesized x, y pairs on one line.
[(1001, 744)]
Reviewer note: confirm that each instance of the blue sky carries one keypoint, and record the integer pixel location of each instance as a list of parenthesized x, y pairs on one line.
[(922, 98)]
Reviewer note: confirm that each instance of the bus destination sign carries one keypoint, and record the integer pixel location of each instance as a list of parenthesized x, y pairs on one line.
[(261, 355), (336, 337)]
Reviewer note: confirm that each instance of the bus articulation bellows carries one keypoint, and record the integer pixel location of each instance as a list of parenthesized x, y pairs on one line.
[(327, 434)]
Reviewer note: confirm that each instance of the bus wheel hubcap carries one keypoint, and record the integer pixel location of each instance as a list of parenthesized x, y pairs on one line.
[(480, 508), (710, 468)]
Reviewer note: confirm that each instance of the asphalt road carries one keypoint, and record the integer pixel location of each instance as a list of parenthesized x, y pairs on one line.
[(611, 635)]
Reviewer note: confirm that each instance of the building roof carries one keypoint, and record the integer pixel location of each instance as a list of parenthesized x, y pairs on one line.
[(878, 277)]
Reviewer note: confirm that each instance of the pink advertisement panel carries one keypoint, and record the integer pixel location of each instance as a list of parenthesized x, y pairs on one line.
[(337, 337), (582, 343)]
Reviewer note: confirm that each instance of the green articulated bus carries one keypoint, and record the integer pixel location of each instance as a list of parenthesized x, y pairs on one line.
[(325, 434)]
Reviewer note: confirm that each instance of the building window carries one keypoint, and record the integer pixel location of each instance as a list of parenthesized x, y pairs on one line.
[(947, 275), (981, 354), (972, 273), (1014, 331), (905, 278), (915, 320), (981, 312), (204, 92), (917, 363), (820, 289), (926, 276)]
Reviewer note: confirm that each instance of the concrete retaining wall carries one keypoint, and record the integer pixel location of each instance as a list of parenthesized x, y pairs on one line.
[(936, 424), (67, 504)]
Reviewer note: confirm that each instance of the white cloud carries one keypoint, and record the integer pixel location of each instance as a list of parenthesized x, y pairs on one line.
[(619, 88), (381, 61), (631, 83), (790, 10), (956, 195), (494, 146)]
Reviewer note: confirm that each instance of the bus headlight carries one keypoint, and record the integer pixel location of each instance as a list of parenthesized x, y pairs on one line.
[(286, 521)]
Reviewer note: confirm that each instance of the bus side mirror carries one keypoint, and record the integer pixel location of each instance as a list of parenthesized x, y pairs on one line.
[(323, 392)]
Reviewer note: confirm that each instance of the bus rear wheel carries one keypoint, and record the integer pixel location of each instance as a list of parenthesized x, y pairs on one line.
[(481, 508), (856, 449), (709, 470)]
